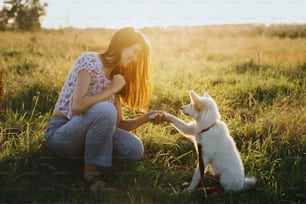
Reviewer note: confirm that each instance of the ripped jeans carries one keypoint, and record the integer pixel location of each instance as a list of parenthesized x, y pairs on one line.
[(93, 136)]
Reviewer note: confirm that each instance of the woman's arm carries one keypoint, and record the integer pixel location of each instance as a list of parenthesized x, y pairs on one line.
[(82, 102), (131, 124)]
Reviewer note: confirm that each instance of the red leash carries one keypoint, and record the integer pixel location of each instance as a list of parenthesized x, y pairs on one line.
[(200, 157), (201, 165)]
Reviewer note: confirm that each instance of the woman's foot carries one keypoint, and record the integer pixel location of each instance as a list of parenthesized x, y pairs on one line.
[(93, 178), (96, 183)]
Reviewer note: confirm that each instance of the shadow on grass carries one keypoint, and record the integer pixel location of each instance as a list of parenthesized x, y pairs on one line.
[(38, 176)]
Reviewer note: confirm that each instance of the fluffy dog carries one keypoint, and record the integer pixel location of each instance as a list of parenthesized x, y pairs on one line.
[(213, 143)]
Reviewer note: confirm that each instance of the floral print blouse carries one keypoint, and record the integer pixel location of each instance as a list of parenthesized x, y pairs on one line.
[(90, 62)]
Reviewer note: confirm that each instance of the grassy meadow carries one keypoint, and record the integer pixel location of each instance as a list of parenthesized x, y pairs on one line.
[(256, 76)]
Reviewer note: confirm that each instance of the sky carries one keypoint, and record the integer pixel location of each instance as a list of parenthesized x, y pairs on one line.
[(165, 13)]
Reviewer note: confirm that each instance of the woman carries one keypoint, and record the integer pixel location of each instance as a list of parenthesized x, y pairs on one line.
[(87, 119)]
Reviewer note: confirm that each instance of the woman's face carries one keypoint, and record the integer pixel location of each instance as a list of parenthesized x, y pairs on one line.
[(129, 55)]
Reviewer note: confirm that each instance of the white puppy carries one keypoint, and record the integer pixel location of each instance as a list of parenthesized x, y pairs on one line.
[(217, 148)]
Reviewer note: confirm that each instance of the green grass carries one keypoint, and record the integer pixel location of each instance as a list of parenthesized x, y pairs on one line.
[(258, 83)]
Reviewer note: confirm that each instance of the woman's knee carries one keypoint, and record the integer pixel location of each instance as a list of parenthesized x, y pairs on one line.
[(104, 110), (130, 154), (127, 146), (136, 152)]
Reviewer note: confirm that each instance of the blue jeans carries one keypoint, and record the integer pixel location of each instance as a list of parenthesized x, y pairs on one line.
[(93, 136)]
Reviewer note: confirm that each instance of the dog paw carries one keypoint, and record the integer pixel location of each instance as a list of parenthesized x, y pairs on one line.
[(167, 115), (185, 191), (156, 115), (152, 117), (188, 190)]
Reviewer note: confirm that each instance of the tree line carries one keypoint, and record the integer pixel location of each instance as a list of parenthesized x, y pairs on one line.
[(22, 15)]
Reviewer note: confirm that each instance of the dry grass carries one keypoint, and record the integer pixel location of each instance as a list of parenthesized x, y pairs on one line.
[(257, 80)]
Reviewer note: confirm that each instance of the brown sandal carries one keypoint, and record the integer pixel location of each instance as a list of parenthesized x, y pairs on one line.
[(103, 187)]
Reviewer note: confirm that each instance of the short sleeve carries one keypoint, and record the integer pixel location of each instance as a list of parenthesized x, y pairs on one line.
[(90, 62), (87, 61)]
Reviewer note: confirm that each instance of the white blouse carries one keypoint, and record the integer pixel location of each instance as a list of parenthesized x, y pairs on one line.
[(90, 62)]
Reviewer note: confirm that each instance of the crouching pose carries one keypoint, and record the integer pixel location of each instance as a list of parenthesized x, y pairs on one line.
[(87, 120)]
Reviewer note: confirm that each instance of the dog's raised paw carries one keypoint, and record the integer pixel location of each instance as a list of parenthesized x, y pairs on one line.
[(152, 117)]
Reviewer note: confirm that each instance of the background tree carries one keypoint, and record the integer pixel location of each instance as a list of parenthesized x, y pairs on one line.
[(22, 14)]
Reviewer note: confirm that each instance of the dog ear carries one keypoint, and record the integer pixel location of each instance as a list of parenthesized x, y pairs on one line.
[(193, 95), (206, 95), (195, 98)]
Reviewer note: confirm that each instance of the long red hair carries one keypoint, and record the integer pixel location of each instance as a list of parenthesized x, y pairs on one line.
[(137, 92)]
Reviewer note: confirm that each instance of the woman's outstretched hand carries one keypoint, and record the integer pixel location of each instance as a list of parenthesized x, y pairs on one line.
[(157, 117)]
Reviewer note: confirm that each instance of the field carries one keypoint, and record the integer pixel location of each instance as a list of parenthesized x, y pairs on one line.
[(256, 75)]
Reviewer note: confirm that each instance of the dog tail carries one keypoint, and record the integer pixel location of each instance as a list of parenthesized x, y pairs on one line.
[(249, 183)]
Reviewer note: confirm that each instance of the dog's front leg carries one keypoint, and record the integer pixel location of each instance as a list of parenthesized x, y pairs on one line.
[(195, 179), (185, 128)]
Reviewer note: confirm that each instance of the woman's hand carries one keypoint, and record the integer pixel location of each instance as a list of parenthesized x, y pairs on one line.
[(118, 82), (157, 117)]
